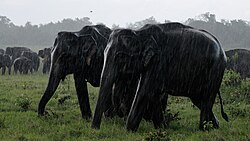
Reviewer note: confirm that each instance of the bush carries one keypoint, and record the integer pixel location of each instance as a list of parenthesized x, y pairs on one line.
[(231, 78), (157, 136), (237, 111), (171, 117), (245, 89), (24, 102)]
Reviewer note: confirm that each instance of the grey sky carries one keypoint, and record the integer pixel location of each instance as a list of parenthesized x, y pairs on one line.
[(120, 11)]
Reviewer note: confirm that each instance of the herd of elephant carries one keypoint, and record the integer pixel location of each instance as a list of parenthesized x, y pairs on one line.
[(136, 70), (24, 60)]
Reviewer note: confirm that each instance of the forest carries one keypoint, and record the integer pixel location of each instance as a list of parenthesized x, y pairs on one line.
[(231, 33), (21, 118)]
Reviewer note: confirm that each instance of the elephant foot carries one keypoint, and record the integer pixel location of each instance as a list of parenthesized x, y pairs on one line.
[(215, 122), (209, 122), (41, 112), (132, 125), (160, 125), (208, 125), (87, 116)]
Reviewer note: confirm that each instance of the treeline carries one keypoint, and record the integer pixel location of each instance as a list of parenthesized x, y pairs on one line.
[(231, 33)]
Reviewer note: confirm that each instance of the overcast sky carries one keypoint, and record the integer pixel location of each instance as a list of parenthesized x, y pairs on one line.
[(120, 12)]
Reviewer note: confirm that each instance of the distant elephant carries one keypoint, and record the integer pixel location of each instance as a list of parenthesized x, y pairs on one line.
[(239, 61), (23, 65), (5, 62), (33, 56), (2, 51), (15, 52), (81, 54), (46, 55), (166, 58)]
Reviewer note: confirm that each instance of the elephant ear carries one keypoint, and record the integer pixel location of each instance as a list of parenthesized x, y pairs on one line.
[(41, 53), (150, 50), (89, 47)]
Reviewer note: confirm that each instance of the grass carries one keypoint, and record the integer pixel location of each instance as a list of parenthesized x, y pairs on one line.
[(20, 94)]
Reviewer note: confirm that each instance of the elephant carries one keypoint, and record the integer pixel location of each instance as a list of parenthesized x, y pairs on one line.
[(2, 51), (15, 52), (169, 58), (46, 55), (5, 61), (33, 56), (239, 61), (81, 54), (23, 65)]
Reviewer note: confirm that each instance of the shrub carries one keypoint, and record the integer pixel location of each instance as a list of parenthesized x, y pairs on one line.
[(208, 125), (157, 136), (236, 111), (245, 89), (171, 117), (24, 102), (231, 78)]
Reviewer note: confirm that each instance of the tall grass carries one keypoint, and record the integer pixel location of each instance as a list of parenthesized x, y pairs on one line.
[(20, 94)]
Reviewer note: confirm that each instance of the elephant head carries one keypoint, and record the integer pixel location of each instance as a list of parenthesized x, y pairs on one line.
[(16, 52), (127, 54), (33, 56), (78, 53), (46, 55), (27, 66), (9, 51), (5, 62), (2, 51)]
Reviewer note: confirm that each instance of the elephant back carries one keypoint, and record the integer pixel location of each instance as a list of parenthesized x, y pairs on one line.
[(2, 51), (16, 52)]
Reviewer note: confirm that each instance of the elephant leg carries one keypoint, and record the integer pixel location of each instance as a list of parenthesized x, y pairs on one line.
[(3, 70), (136, 112), (15, 70), (157, 114), (31, 70), (9, 70), (44, 69), (53, 83), (206, 114), (83, 97)]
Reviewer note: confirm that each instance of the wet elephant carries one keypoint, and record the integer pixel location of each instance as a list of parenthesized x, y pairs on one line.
[(46, 55), (81, 54), (5, 62), (166, 58), (2, 51), (23, 65), (15, 52), (239, 61), (33, 56)]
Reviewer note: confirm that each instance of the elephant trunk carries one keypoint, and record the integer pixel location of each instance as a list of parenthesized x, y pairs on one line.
[(104, 100), (53, 83)]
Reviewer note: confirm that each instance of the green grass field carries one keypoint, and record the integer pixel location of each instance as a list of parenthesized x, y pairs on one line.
[(20, 94)]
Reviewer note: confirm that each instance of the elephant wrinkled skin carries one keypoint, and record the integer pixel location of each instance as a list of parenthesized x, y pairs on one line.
[(166, 58), (239, 61), (5, 62), (81, 54)]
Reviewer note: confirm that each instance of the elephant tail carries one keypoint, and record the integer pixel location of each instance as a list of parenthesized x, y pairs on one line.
[(224, 115)]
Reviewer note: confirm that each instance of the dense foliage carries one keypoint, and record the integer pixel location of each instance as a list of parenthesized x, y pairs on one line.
[(231, 33)]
